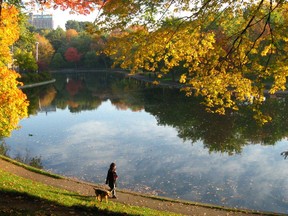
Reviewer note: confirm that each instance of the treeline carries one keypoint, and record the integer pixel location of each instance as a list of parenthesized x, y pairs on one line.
[(39, 50)]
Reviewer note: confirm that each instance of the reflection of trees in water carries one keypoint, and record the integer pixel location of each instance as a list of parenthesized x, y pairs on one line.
[(222, 133), (26, 159), (39, 97), (74, 93), (127, 94), (86, 92), (225, 133), (31, 161), (4, 148)]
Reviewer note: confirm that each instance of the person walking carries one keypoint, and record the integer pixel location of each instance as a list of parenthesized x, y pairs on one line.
[(111, 179)]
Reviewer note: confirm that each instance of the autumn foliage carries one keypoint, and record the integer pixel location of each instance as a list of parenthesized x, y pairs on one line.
[(72, 55), (76, 6), (9, 32), (13, 103), (226, 51), (70, 33), (46, 52)]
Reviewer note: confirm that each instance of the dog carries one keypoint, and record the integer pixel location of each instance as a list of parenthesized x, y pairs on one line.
[(100, 194)]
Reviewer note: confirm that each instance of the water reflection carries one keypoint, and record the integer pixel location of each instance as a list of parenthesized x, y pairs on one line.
[(284, 154), (163, 142), (219, 133)]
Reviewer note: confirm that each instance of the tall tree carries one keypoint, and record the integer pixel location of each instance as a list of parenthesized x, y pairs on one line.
[(71, 33), (56, 38), (58, 61), (78, 26), (13, 101), (45, 52)]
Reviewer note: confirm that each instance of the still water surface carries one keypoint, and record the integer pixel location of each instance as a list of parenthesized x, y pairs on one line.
[(162, 143)]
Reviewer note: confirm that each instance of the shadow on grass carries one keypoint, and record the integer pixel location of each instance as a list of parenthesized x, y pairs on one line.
[(17, 203)]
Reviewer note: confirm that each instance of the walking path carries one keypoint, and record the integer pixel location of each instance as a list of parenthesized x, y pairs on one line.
[(126, 197)]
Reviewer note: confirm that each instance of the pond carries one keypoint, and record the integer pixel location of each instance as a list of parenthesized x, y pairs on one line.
[(162, 142)]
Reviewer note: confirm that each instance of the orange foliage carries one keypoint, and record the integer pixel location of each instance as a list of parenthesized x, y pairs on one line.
[(46, 51), (70, 33), (13, 101), (48, 98), (9, 31), (76, 6)]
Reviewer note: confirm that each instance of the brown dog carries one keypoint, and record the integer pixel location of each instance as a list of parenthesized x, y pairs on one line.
[(100, 194)]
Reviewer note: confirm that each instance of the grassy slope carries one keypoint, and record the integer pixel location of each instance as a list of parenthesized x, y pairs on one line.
[(25, 189)]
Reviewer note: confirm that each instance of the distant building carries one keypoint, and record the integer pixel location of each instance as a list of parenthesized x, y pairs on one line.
[(41, 21)]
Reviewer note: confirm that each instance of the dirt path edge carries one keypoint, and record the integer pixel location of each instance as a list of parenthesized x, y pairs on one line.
[(124, 196)]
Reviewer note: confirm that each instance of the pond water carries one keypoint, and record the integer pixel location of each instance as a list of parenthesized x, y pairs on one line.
[(162, 142)]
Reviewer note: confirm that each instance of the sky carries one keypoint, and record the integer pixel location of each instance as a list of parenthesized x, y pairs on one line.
[(61, 17)]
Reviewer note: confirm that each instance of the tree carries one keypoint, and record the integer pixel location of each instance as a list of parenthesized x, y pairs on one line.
[(57, 61), (56, 38), (226, 72), (71, 33), (26, 41), (25, 61), (13, 101), (72, 55), (45, 52), (82, 42), (78, 26), (223, 71), (91, 60)]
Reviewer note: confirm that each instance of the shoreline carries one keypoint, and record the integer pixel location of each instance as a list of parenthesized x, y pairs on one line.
[(37, 84), (126, 197)]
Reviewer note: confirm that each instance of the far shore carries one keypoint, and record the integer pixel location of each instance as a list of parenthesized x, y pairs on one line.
[(37, 84)]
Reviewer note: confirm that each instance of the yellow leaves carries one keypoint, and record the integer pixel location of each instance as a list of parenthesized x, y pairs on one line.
[(155, 82), (159, 76), (13, 102), (266, 50), (260, 117), (223, 64), (9, 31), (280, 74), (183, 78), (222, 90), (132, 50), (285, 39)]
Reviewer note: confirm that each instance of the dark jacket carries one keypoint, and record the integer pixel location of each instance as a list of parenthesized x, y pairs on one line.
[(111, 178)]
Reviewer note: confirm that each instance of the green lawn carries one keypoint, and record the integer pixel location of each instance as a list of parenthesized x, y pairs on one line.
[(34, 192)]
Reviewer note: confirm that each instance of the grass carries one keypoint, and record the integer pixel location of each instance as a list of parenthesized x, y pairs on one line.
[(54, 199)]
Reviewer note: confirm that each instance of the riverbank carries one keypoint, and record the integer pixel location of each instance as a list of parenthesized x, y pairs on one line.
[(37, 84), (85, 189)]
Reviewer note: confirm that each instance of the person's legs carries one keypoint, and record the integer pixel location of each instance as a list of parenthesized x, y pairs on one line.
[(113, 190)]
